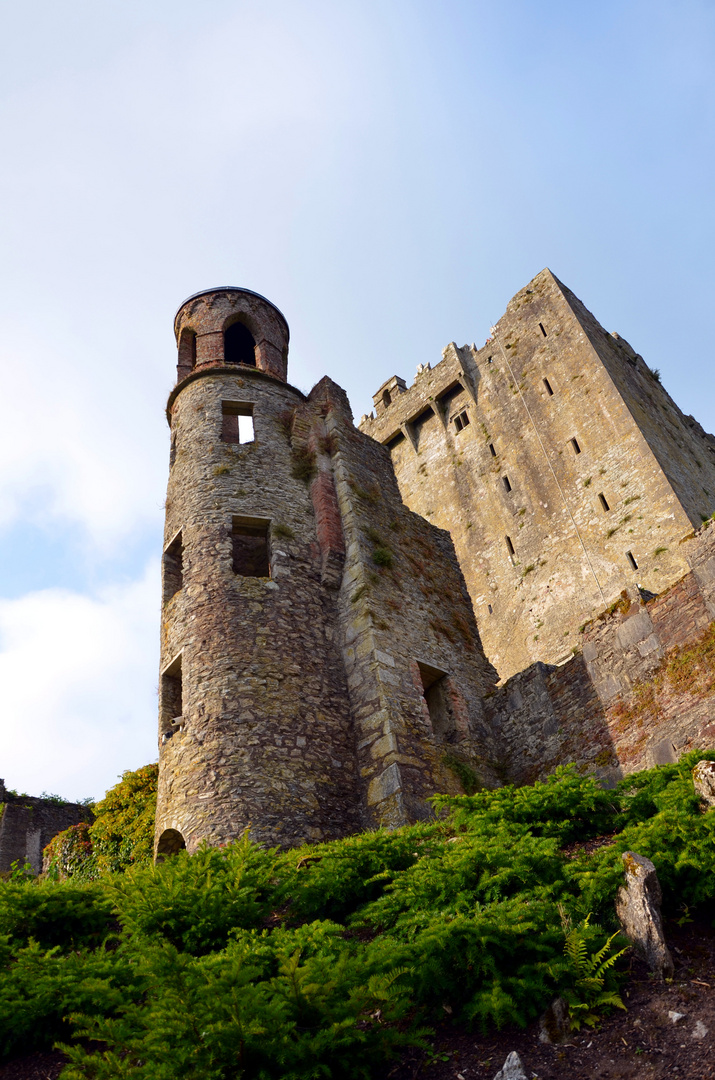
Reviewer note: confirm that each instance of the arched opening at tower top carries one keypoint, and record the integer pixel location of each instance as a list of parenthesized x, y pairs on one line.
[(239, 346), (171, 842), (187, 353)]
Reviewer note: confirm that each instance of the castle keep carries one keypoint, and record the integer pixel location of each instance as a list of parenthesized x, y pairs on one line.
[(562, 469), (322, 670)]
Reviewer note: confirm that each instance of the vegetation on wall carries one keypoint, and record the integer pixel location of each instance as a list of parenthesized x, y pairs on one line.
[(326, 960), (121, 834)]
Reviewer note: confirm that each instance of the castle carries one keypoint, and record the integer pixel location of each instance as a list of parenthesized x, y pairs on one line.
[(322, 670)]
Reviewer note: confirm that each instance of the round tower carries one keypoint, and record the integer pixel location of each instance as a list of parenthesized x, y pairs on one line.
[(254, 726)]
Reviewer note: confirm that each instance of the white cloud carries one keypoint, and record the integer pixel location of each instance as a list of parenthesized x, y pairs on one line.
[(78, 679)]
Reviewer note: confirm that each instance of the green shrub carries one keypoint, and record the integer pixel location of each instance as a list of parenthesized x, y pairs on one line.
[(326, 960), (121, 834)]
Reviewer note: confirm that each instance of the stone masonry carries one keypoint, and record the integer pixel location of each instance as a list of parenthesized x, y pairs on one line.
[(28, 823), (560, 466), (321, 667)]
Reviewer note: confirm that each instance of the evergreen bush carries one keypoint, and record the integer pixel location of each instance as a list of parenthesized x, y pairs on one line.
[(326, 960)]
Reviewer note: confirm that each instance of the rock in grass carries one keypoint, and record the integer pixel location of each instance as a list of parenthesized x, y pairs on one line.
[(704, 781), (554, 1024), (638, 908), (512, 1069)]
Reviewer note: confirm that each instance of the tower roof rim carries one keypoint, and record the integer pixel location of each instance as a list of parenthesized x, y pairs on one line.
[(230, 288)]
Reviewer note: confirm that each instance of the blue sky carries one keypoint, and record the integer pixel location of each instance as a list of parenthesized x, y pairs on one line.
[(388, 173)]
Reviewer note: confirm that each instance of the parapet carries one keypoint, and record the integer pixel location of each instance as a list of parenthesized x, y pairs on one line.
[(230, 326)]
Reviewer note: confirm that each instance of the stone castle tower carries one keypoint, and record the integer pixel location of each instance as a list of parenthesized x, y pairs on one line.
[(321, 669), (562, 469)]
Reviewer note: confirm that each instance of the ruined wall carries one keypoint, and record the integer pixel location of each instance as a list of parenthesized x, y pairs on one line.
[(416, 671), (28, 823), (527, 452), (641, 693)]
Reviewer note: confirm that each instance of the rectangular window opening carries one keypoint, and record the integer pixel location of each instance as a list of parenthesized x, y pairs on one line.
[(603, 502), (249, 537), (505, 481), (492, 451), (576, 447), (509, 545), (549, 391), (490, 608), (631, 560), (461, 420), (436, 693), (236, 422), (541, 327), (458, 423), (173, 568), (172, 704)]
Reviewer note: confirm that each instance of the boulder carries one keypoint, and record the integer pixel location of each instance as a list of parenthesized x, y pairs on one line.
[(638, 909), (512, 1069), (555, 1024), (704, 781)]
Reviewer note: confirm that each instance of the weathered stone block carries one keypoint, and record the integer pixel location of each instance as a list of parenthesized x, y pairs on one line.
[(638, 909)]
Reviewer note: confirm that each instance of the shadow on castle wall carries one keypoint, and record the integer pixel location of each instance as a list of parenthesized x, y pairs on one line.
[(640, 693)]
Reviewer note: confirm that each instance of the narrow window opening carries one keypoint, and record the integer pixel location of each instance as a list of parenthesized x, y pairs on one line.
[(173, 568), (490, 608), (603, 502), (505, 481), (386, 398), (239, 346), (187, 354), (236, 422), (509, 545), (458, 423), (631, 560), (172, 704), (576, 447), (250, 547), (549, 391), (436, 693), (490, 359), (171, 842), (492, 450), (541, 327)]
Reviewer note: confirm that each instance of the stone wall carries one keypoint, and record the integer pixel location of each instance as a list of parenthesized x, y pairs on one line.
[(556, 461), (640, 693), (340, 682), (28, 823)]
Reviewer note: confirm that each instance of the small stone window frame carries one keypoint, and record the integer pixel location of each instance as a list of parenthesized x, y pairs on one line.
[(250, 543), (436, 690), (172, 567), (461, 420), (237, 422), (171, 697)]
